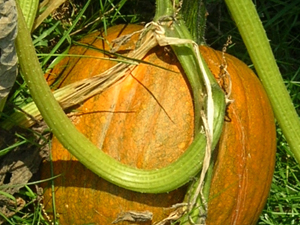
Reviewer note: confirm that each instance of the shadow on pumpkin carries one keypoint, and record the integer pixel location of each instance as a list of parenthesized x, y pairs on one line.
[(78, 189)]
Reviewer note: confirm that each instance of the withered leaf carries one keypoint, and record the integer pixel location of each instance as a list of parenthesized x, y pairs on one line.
[(134, 216)]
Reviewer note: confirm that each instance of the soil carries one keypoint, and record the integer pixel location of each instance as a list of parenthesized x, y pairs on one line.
[(20, 165)]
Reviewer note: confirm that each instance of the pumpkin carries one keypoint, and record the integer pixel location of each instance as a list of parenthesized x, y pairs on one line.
[(146, 121)]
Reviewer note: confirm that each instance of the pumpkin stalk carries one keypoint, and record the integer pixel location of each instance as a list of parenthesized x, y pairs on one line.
[(194, 14), (196, 208), (185, 55), (29, 9), (201, 81), (258, 46)]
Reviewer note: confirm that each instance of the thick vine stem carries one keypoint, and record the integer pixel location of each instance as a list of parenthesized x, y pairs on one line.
[(147, 181), (258, 46), (29, 9), (202, 82)]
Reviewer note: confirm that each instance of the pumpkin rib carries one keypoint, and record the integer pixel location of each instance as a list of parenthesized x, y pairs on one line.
[(266, 144), (259, 114), (244, 175), (243, 124)]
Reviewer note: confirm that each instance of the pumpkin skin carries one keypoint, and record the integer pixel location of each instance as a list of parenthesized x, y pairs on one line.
[(246, 151), (145, 106), (146, 121)]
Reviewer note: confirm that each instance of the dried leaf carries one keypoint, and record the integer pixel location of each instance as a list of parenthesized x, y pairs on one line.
[(48, 6), (134, 216)]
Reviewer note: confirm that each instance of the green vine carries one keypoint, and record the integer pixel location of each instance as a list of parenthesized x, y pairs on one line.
[(150, 181)]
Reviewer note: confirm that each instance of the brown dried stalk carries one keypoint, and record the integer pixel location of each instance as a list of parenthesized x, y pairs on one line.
[(80, 91)]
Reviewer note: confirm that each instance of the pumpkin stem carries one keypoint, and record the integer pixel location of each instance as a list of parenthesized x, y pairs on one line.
[(194, 15), (201, 81)]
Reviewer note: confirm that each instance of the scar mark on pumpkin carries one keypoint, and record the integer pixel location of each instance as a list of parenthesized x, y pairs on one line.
[(155, 99)]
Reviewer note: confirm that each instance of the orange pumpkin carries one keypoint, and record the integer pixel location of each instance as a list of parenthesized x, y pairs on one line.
[(146, 121)]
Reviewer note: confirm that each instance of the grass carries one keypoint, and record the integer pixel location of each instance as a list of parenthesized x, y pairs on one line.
[(280, 19)]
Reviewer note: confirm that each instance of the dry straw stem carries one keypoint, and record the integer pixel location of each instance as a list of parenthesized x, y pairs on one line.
[(82, 90), (48, 6)]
